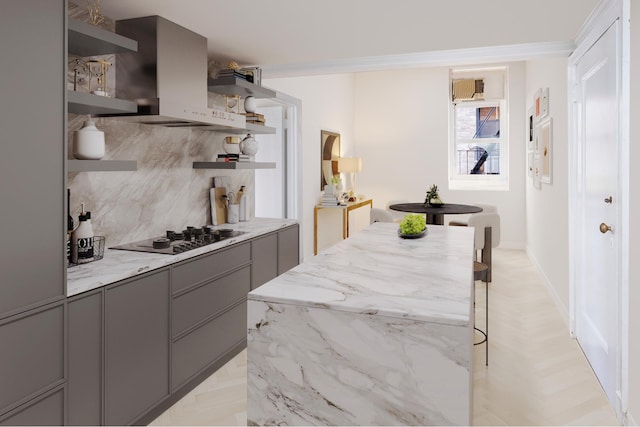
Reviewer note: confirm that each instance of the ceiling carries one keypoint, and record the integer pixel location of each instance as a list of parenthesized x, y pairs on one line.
[(286, 35)]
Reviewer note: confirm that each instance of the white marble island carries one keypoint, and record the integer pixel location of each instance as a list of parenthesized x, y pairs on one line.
[(377, 330)]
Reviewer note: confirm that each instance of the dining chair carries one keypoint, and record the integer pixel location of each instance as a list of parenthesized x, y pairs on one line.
[(397, 215), (485, 209), (379, 215), (487, 236)]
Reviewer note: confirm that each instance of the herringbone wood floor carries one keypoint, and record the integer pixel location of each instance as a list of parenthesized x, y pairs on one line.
[(537, 374)]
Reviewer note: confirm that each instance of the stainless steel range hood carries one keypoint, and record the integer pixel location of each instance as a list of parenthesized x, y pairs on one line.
[(167, 77)]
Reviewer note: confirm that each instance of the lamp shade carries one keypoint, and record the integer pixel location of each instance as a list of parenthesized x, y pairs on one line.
[(349, 164)]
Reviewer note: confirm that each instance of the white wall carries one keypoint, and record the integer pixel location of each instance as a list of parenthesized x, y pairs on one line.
[(327, 104), (547, 207), (401, 132)]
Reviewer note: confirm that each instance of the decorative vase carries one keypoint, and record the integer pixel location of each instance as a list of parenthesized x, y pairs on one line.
[(88, 142), (250, 104), (249, 145)]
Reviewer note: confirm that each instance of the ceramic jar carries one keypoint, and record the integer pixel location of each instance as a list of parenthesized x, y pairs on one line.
[(249, 145), (250, 104), (88, 142)]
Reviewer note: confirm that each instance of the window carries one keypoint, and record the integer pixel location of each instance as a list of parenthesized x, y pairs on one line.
[(478, 137)]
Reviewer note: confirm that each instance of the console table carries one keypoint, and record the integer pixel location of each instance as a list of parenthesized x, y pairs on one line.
[(348, 207)]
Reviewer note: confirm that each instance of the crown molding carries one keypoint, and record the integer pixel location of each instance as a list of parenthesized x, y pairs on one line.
[(480, 55)]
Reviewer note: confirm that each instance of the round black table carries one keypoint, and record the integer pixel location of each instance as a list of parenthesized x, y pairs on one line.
[(435, 214)]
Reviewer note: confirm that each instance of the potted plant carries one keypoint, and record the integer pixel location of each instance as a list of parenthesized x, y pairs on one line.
[(433, 198), (412, 226)]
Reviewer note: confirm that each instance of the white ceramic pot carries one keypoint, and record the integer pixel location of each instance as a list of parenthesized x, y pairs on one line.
[(250, 104), (249, 145), (88, 142)]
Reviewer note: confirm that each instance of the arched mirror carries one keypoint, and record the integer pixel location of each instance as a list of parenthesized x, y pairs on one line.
[(329, 154)]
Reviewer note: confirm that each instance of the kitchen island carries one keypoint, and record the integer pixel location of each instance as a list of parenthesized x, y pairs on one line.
[(377, 330)]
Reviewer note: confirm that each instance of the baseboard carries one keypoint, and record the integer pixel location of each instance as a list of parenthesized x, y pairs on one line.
[(512, 245), (562, 309)]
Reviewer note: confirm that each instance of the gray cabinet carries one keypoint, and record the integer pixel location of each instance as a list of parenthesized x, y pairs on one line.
[(136, 346), (273, 254), (32, 152), (32, 355), (264, 259), (46, 410), (288, 248), (208, 310), (85, 359)]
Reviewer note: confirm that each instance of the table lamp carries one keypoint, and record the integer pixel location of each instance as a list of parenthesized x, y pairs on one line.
[(350, 165)]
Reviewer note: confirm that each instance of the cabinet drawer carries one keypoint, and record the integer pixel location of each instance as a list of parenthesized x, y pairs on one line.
[(47, 410), (195, 306), (194, 271), (288, 249), (203, 346), (32, 355)]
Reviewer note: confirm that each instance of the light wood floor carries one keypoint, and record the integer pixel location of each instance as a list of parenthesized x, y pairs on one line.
[(537, 374)]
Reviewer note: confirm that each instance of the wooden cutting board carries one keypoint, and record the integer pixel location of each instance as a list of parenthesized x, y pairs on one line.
[(221, 210)]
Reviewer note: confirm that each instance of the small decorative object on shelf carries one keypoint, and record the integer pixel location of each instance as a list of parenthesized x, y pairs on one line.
[(250, 104), (232, 103), (253, 74), (78, 72), (412, 226), (88, 142), (98, 68), (433, 197), (231, 145), (249, 145), (95, 16)]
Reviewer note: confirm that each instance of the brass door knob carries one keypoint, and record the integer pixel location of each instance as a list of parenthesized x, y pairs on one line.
[(604, 228)]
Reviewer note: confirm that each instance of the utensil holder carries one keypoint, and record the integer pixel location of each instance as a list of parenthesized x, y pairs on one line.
[(233, 213)]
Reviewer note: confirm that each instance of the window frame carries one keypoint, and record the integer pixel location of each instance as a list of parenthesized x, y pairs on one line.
[(480, 182)]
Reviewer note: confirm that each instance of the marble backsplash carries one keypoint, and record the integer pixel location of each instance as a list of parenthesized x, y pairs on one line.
[(165, 193)]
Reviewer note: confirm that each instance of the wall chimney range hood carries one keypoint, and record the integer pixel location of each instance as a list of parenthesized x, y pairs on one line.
[(167, 77)]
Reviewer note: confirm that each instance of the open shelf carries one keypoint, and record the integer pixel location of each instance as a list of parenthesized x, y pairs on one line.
[(88, 40), (237, 86), (234, 165), (74, 165), (87, 103)]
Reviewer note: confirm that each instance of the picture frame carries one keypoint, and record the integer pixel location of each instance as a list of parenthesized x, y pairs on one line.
[(530, 114), (536, 172), (541, 104), (329, 155), (545, 139)]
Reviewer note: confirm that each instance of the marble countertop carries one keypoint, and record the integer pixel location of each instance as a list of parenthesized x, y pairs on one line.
[(376, 272), (118, 264)]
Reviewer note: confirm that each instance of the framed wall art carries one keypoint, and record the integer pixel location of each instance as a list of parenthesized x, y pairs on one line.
[(545, 139), (329, 155), (541, 104)]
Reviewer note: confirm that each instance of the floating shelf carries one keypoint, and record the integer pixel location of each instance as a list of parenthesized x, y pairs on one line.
[(87, 103), (234, 165), (101, 165), (251, 128), (88, 40), (236, 86)]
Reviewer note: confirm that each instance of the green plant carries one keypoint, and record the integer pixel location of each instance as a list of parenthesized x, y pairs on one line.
[(335, 179), (433, 195), (413, 224)]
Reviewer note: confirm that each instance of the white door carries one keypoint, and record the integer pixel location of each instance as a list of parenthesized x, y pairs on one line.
[(597, 285)]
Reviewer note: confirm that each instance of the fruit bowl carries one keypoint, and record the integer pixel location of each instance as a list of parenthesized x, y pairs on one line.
[(413, 236)]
